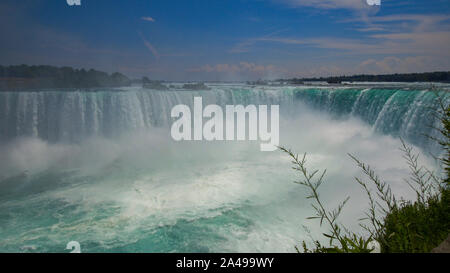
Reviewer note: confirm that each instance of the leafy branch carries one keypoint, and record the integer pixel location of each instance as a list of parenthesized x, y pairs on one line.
[(348, 242)]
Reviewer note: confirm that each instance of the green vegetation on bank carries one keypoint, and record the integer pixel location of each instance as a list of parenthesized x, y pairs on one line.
[(156, 85), (22, 77), (410, 77), (399, 226)]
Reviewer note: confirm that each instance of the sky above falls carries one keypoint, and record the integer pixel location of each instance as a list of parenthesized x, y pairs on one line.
[(224, 40)]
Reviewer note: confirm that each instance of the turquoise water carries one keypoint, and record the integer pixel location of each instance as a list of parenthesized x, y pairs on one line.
[(398, 112), (100, 167)]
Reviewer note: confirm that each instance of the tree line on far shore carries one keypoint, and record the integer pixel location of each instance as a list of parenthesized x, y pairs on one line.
[(411, 77), (44, 76), (24, 77)]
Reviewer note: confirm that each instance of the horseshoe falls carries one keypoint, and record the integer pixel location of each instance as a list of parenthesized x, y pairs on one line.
[(99, 167)]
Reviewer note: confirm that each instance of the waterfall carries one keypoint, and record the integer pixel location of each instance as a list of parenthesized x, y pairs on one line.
[(143, 192), (71, 116), (409, 114)]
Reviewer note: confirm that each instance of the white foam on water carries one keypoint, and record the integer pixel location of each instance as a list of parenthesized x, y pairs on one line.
[(123, 191)]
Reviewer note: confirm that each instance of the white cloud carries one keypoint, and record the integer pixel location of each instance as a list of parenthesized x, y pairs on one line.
[(239, 71), (149, 19), (413, 64), (330, 4), (384, 65), (420, 35)]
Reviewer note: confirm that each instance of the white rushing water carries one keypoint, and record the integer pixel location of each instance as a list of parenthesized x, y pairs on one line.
[(101, 168)]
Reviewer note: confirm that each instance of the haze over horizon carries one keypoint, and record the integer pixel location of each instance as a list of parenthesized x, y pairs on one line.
[(229, 40)]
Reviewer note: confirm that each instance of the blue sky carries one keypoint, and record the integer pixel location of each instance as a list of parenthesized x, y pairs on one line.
[(228, 39)]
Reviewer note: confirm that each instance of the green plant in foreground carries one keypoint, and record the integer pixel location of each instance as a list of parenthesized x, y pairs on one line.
[(422, 225), (347, 242), (397, 225), (406, 226)]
